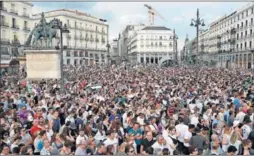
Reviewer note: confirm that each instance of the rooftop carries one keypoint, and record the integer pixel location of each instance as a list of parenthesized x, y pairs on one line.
[(155, 28), (71, 11)]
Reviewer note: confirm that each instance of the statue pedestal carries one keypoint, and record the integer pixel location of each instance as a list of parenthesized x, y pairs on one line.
[(43, 64)]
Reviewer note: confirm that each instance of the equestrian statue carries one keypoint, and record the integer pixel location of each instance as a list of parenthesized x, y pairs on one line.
[(43, 30)]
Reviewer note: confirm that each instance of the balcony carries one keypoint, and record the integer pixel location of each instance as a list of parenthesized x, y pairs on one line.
[(68, 36), (14, 11), (25, 15), (15, 42), (76, 37), (5, 41), (15, 26), (4, 24), (26, 29), (82, 38), (3, 9)]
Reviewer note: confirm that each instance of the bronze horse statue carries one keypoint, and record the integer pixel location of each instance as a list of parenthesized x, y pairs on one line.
[(47, 32)]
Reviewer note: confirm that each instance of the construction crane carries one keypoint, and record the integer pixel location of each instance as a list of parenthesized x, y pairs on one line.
[(152, 12)]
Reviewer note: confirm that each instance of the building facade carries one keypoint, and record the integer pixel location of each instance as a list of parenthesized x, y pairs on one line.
[(124, 37), (88, 38), (15, 27), (229, 39), (151, 44)]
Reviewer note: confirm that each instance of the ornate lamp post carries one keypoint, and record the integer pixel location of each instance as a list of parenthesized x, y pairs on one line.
[(63, 29), (108, 47), (196, 23)]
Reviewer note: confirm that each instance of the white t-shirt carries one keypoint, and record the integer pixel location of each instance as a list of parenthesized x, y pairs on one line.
[(187, 135), (169, 141), (157, 147), (112, 142), (246, 131), (240, 116), (79, 139), (181, 128), (194, 120)]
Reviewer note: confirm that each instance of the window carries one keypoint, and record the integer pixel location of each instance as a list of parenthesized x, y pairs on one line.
[(68, 23), (238, 17), (237, 46), (1, 4), (68, 61), (68, 54), (160, 44), (242, 24), (75, 62), (25, 24), (246, 33), (75, 24), (13, 22), (81, 54), (241, 46), (245, 45), (241, 34), (252, 10), (160, 37), (250, 32), (81, 62), (237, 36), (24, 11), (251, 21), (250, 44), (152, 44), (75, 54), (246, 22)]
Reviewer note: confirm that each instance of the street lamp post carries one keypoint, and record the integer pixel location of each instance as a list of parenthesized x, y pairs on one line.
[(108, 47), (196, 23), (175, 45), (63, 29)]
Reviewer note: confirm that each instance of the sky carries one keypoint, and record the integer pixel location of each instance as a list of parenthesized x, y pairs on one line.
[(178, 15)]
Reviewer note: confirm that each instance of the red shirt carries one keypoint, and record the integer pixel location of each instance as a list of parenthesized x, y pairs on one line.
[(34, 129)]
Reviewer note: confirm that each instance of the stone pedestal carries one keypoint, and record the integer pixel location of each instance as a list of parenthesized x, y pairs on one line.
[(43, 64)]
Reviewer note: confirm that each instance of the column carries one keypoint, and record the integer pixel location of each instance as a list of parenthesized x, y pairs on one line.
[(144, 58), (138, 58)]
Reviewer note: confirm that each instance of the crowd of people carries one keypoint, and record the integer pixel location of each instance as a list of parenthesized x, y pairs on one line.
[(129, 110)]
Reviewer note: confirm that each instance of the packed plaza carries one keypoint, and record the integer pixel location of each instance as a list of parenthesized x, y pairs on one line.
[(129, 110), (66, 90)]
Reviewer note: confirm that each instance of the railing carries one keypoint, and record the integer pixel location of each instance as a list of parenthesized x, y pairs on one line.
[(3, 23), (15, 42), (3, 9), (82, 38), (14, 11), (15, 27), (76, 37), (25, 15), (5, 41), (26, 28), (69, 36)]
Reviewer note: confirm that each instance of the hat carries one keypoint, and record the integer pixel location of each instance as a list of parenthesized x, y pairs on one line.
[(236, 123)]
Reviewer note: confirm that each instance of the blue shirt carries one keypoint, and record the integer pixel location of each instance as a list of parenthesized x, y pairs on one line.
[(132, 131), (237, 103)]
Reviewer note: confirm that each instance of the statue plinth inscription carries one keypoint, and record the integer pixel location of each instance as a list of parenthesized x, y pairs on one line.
[(43, 64)]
